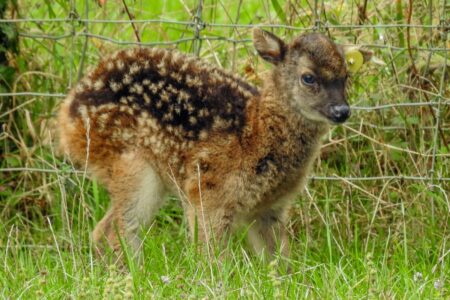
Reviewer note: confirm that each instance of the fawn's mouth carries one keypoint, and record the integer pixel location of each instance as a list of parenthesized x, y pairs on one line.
[(333, 115)]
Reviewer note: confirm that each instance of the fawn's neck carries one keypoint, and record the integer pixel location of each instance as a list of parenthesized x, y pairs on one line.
[(272, 124)]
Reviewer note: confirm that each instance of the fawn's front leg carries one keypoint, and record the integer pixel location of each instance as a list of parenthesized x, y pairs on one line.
[(267, 233), (209, 225), (209, 208)]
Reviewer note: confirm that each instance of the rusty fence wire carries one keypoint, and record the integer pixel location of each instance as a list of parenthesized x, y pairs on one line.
[(437, 100)]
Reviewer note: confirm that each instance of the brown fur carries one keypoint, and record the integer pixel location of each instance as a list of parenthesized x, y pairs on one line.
[(153, 121)]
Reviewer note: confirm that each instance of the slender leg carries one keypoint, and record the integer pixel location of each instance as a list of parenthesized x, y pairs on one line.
[(137, 193), (209, 204), (211, 225), (267, 233)]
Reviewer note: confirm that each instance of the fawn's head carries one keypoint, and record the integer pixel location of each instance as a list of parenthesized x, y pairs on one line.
[(310, 71)]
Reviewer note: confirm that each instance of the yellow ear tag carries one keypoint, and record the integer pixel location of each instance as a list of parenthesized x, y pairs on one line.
[(354, 60)]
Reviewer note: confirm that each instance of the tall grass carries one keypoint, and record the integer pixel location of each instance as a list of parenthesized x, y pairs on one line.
[(378, 238)]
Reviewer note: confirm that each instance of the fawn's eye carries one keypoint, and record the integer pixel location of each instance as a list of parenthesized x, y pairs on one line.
[(308, 79)]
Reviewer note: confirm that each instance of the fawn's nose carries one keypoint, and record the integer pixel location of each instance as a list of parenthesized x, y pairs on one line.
[(340, 113)]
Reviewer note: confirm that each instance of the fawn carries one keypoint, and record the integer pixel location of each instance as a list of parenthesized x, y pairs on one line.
[(149, 122)]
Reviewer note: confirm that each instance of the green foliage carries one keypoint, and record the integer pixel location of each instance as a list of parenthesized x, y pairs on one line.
[(280, 13)]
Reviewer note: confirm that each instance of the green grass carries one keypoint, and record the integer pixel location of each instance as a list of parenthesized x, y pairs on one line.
[(63, 265), (376, 239)]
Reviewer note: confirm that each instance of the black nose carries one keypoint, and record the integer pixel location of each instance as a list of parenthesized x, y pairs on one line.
[(340, 113)]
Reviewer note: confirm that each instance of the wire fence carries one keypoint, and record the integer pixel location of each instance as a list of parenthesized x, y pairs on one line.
[(82, 28)]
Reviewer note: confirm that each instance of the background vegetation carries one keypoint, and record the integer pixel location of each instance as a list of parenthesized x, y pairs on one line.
[(373, 223)]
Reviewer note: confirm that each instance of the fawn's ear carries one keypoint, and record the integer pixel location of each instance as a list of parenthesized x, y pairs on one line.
[(270, 47)]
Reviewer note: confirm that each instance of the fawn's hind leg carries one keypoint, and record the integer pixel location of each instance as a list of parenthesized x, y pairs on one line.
[(137, 193)]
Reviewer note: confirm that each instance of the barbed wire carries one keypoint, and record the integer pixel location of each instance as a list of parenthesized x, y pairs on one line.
[(354, 107), (200, 38), (221, 25)]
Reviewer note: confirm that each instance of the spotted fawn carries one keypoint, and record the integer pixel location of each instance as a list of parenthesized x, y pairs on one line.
[(153, 122)]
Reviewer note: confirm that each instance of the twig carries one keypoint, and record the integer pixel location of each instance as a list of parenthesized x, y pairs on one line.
[(136, 33), (389, 146)]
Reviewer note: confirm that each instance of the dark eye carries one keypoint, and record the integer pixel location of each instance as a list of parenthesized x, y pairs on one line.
[(308, 79)]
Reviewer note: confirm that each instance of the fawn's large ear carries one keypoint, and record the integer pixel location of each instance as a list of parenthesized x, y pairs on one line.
[(269, 46)]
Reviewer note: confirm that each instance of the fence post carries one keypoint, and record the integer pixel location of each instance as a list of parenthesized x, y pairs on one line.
[(316, 26), (86, 40), (198, 26), (73, 17), (444, 32)]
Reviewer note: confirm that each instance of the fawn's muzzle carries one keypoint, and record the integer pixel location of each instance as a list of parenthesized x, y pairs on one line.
[(340, 113)]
